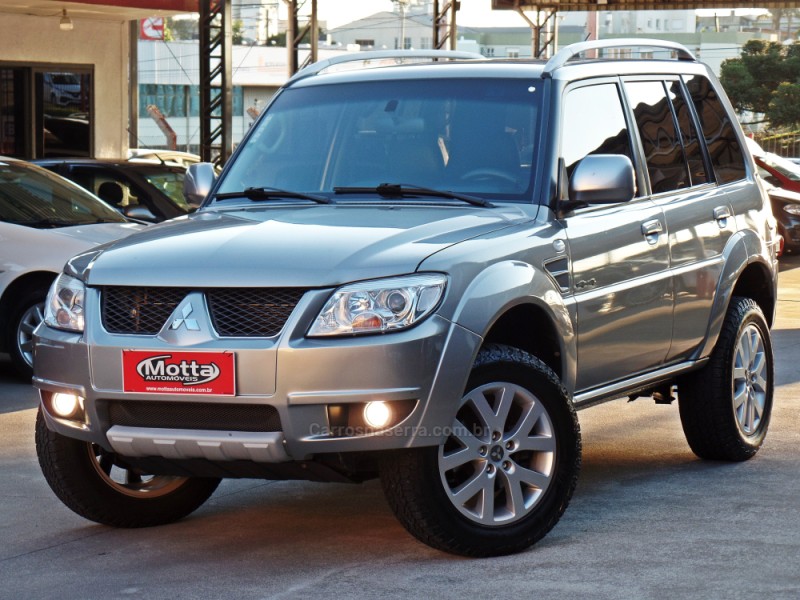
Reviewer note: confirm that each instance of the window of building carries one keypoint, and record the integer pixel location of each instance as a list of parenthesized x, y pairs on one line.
[(45, 112), (512, 52), (179, 100), (12, 112), (366, 44), (65, 101)]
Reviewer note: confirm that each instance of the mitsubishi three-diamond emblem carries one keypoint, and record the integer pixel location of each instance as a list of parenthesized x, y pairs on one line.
[(190, 324)]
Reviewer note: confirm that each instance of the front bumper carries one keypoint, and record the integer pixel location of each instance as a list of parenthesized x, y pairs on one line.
[(425, 367)]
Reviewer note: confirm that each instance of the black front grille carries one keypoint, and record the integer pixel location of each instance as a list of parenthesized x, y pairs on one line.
[(251, 312), (193, 415), (235, 312), (141, 310)]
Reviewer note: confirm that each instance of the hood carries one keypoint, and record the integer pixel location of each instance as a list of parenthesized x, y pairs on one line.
[(293, 246), (24, 249), (97, 233)]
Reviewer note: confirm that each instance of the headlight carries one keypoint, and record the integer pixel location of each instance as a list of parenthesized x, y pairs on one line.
[(792, 209), (64, 306), (379, 305)]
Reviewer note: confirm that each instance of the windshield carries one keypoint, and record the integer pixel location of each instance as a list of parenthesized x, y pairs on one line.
[(37, 198), (170, 183), (473, 136)]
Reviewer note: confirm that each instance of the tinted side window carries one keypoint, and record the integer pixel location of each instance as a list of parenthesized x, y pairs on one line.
[(718, 131), (660, 142), (692, 147), (593, 123)]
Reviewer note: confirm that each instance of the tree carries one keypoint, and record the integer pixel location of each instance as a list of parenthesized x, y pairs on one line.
[(181, 29), (784, 107), (237, 32), (752, 80)]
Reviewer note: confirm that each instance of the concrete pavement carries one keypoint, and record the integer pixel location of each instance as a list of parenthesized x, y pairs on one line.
[(648, 520)]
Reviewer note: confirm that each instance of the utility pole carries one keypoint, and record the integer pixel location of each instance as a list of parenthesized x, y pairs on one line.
[(216, 89), (444, 24)]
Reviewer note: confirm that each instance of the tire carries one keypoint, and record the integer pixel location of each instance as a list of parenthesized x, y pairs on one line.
[(515, 435), (725, 407), (26, 315), (98, 486)]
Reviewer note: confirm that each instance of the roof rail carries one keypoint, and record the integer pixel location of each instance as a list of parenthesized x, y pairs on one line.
[(398, 55), (567, 53)]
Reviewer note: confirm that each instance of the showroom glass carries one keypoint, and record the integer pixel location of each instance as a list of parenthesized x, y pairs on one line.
[(471, 136)]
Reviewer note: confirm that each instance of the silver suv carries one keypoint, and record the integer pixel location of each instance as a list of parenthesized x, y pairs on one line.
[(419, 272)]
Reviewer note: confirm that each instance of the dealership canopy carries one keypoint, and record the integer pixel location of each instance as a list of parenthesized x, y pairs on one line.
[(576, 5), (100, 9)]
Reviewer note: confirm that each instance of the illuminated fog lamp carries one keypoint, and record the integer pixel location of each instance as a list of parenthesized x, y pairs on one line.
[(377, 414), (65, 405)]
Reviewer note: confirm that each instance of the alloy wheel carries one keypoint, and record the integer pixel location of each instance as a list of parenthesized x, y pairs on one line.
[(500, 456)]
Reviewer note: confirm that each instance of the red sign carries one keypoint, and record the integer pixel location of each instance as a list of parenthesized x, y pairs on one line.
[(179, 372), (151, 28)]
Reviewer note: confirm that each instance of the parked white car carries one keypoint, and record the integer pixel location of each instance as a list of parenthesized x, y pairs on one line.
[(170, 157), (62, 89), (44, 220)]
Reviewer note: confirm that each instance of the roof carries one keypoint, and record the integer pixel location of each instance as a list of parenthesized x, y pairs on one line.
[(666, 56)]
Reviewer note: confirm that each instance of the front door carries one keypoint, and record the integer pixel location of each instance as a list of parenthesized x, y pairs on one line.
[(619, 253)]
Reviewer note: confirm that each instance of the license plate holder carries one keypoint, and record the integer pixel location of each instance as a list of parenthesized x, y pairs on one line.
[(179, 372)]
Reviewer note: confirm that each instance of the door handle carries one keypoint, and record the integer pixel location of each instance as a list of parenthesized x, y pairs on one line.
[(721, 215), (651, 230)]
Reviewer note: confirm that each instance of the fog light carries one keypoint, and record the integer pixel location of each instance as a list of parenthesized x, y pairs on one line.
[(65, 405), (377, 414)]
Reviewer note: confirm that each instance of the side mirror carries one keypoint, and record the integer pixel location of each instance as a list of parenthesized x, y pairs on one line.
[(602, 179), (197, 183)]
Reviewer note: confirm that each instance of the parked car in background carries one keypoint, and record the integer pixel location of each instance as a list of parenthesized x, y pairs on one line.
[(147, 191), (62, 89), (785, 172), (44, 220), (173, 157), (786, 209)]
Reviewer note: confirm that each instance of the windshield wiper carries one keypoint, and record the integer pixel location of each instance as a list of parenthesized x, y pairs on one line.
[(268, 193), (402, 190), (46, 223)]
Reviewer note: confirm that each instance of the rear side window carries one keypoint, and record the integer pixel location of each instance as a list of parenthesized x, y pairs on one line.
[(718, 130), (692, 147), (661, 143)]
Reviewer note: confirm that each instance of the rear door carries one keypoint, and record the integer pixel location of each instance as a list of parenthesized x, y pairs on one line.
[(685, 184)]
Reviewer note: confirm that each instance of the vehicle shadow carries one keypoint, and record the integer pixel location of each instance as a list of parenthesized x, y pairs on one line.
[(641, 496)]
